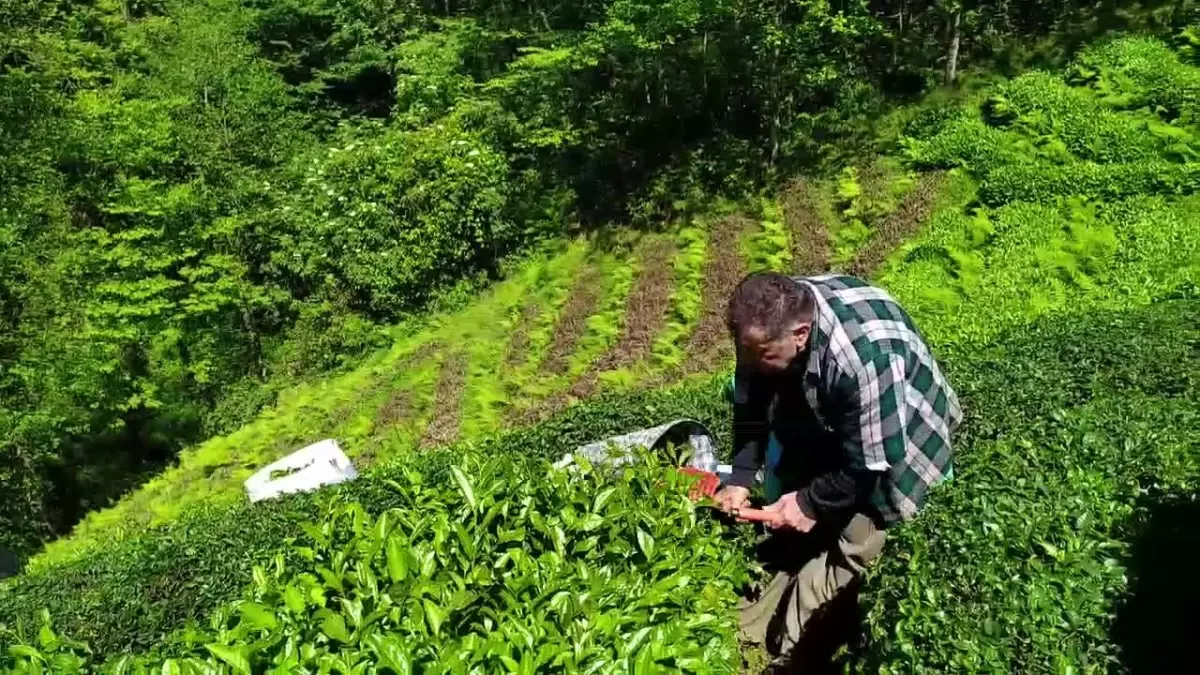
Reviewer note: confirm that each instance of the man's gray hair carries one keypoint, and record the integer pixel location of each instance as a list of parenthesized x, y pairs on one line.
[(770, 301)]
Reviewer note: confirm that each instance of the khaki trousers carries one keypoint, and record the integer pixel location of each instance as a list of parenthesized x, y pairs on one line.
[(812, 569)]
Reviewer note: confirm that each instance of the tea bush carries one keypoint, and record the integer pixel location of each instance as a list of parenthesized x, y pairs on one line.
[(971, 278), (1125, 131), (507, 565), (130, 594), (1079, 428), (1038, 181), (1137, 72), (1043, 106), (964, 141)]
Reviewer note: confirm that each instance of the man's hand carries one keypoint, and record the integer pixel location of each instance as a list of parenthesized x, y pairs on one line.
[(791, 517), (732, 497)]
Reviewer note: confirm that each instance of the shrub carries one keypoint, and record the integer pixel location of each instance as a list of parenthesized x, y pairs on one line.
[(131, 594), (507, 565), (1079, 429), (930, 121), (1137, 72), (1045, 182), (970, 279), (1043, 106), (965, 141), (379, 216)]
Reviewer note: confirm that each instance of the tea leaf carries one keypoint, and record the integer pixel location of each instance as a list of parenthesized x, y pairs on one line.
[(434, 616), (235, 658), (294, 599), (27, 652), (464, 485), (258, 616), (645, 543), (397, 559), (334, 626)]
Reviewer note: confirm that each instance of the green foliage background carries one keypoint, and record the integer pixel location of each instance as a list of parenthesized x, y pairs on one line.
[(207, 205)]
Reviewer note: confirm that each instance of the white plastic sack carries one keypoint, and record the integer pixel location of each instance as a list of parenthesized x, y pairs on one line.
[(618, 450), (309, 468)]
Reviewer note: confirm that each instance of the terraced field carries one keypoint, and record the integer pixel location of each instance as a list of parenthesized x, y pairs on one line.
[(578, 319)]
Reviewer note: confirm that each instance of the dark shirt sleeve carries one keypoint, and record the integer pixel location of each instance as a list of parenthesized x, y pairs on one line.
[(836, 492), (751, 400)]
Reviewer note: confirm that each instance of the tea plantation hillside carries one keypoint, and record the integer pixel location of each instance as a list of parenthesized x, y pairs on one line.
[(584, 316), (1045, 235)]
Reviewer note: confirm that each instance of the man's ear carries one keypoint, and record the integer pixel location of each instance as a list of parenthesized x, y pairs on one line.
[(800, 333)]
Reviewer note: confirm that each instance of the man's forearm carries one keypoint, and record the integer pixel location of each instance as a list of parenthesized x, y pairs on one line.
[(836, 492), (750, 430), (746, 464)]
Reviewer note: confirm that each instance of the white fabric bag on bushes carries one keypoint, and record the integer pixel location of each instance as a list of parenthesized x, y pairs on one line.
[(306, 469), (618, 450)]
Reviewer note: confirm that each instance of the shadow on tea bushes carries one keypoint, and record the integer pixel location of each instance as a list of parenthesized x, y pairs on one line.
[(1152, 624)]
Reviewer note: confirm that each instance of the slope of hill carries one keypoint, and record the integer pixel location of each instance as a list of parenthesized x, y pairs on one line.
[(1055, 271), (582, 317)]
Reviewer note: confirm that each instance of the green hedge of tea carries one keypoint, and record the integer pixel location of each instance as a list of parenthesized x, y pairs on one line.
[(505, 566), (1081, 436), (129, 596), (1127, 129), (1136, 72), (964, 140), (1038, 181), (1043, 105)]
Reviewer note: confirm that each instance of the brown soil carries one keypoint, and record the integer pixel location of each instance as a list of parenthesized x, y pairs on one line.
[(873, 182), (516, 352), (898, 225), (398, 408), (645, 312), (810, 239), (447, 402), (582, 302), (723, 270)]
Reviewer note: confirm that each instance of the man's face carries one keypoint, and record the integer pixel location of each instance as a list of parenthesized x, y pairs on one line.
[(769, 357)]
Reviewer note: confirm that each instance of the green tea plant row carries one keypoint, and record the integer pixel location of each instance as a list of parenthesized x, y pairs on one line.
[(1122, 131), (129, 594), (494, 570), (1081, 438)]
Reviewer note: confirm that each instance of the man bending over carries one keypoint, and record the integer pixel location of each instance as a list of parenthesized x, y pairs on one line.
[(836, 391)]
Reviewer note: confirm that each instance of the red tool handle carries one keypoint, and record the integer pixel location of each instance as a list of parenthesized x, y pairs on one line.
[(707, 487), (757, 515)]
